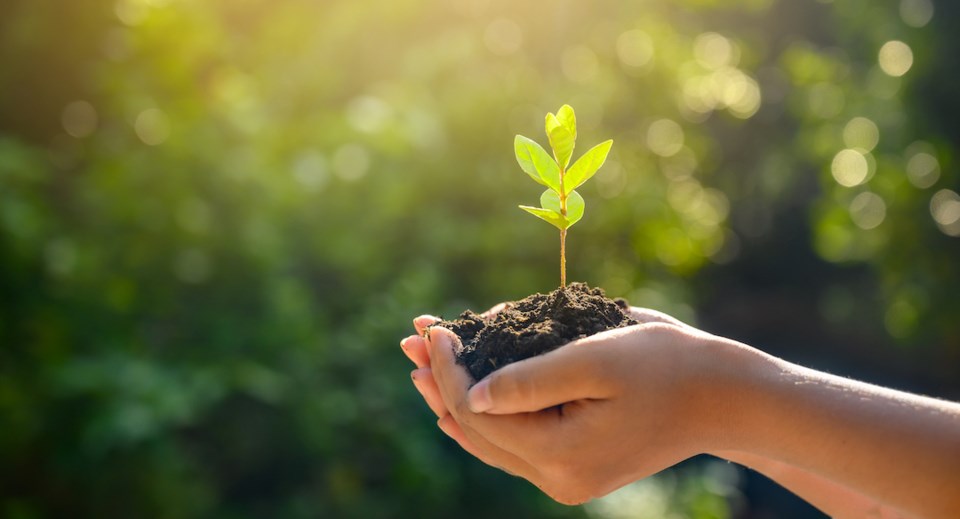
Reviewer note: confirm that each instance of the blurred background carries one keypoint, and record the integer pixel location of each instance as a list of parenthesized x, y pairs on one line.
[(218, 218)]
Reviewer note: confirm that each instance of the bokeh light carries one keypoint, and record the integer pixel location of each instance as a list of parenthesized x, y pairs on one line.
[(152, 127), (923, 168), (351, 162), (895, 58), (635, 48), (945, 209), (850, 168), (868, 210), (213, 212), (368, 114), (665, 137), (916, 13), (79, 119), (861, 134), (714, 51)]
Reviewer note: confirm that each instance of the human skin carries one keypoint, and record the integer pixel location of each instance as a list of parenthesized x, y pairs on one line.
[(619, 406)]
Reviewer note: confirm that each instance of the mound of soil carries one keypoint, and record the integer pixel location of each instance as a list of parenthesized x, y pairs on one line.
[(534, 325)]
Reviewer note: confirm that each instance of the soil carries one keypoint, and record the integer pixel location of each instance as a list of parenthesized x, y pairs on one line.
[(533, 326)]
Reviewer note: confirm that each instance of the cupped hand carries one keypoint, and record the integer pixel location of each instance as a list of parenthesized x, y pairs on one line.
[(582, 420)]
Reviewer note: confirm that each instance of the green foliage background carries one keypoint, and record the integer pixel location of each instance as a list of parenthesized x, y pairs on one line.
[(218, 218)]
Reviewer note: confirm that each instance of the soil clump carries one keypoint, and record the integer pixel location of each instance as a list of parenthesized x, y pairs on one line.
[(534, 325)]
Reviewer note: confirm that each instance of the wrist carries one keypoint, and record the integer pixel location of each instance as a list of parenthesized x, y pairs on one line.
[(728, 379)]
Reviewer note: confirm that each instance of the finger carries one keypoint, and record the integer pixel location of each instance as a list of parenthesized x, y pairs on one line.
[(416, 350), (515, 434), (496, 309), (423, 322), (647, 315), (569, 373), (489, 452), (427, 386), (451, 428)]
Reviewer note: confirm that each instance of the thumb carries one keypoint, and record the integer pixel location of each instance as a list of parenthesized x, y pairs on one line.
[(571, 372)]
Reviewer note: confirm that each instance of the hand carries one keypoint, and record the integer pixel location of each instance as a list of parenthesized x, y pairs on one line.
[(793, 424), (583, 420)]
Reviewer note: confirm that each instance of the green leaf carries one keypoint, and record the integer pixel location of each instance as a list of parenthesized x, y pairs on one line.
[(536, 162), (561, 140), (568, 119), (552, 217), (575, 207), (586, 166), (550, 200)]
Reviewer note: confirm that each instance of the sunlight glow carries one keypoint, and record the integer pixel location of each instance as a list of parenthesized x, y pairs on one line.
[(503, 37), (580, 64)]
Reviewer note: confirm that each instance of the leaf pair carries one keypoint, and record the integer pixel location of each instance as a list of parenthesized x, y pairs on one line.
[(561, 206), (550, 209)]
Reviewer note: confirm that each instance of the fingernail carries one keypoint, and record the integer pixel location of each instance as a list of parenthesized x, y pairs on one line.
[(416, 374), (425, 321), (427, 343), (435, 339), (478, 397), (403, 344)]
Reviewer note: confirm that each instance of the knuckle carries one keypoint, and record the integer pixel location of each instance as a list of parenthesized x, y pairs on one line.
[(660, 328)]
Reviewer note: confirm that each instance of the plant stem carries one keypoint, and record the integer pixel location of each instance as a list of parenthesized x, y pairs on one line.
[(563, 258), (563, 232)]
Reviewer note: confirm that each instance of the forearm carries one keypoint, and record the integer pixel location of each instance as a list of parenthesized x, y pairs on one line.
[(829, 497), (894, 447)]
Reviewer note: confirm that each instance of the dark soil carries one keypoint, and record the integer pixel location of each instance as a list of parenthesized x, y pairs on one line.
[(533, 326)]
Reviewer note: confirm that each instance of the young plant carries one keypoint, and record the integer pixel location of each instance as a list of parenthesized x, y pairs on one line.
[(561, 205)]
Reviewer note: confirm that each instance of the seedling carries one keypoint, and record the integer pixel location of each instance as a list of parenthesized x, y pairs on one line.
[(561, 205)]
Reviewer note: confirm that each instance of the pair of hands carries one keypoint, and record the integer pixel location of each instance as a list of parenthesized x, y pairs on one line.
[(582, 420), (618, 406)]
